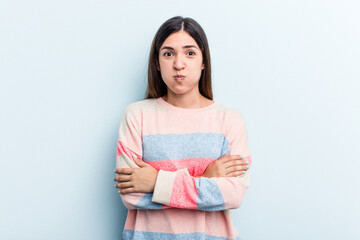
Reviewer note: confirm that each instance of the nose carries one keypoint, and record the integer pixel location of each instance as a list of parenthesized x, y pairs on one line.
[(179, 62)]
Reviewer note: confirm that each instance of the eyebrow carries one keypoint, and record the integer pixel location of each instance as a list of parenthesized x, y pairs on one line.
[(186, 46)]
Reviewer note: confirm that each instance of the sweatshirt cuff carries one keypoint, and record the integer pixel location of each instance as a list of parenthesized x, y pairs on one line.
[(164, 185)]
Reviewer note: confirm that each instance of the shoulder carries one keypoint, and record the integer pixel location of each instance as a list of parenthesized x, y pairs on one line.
[(230, 114), (137, 107)]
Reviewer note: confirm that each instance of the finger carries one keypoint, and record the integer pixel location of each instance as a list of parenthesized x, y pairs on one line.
[(238, 168), (124, 170), (234, 169), (241, 163), (127, 190), (122, 178), (233, 157), (124, 185), (139, 162), (233, 163), (246, 167)]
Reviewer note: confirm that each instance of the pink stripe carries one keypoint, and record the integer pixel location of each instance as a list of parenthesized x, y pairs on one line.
[(215, 122), (129, 134), (130, 223), (232, 191), (184, 194), (130, 200), (216, 223), (195, 166), (121, 148)]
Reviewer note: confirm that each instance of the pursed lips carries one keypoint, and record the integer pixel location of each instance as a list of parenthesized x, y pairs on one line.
[(179, 77)]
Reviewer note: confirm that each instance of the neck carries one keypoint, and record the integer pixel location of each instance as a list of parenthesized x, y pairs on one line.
[(184, 101)]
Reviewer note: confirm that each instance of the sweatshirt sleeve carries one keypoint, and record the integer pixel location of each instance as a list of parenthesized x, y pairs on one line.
[(209, 194), (130, 143)]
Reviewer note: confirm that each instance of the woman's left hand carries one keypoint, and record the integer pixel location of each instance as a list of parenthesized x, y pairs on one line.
[(140, 180)]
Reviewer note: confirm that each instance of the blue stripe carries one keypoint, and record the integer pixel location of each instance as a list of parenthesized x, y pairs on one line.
[(209, 195), (178, 146), (140, 235), (225, 148), (146, 202)]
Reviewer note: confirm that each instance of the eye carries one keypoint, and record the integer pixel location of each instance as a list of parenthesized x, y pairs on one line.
[(191, 53), (167, 54)]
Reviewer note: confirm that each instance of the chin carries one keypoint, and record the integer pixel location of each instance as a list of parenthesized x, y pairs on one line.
[(179, 92)]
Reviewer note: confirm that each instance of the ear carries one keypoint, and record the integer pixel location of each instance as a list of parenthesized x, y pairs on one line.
[(157, 65), (202, 66)]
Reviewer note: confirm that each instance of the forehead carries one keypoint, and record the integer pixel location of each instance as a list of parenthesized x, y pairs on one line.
[(179, 39)]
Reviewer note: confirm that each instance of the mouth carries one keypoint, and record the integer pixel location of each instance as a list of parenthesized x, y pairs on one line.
[(179, 77)]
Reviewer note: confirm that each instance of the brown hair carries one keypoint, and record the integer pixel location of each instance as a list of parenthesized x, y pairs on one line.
[(156, 86)]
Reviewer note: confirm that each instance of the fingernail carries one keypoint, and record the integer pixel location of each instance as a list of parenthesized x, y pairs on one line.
[(115, 185), (114, 170), (247, 162), (247, 166), (243, 171), (114, 178), (119, 191), (241, 156), (134, 156)]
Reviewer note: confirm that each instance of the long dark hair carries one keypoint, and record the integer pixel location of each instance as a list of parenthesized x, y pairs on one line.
[(156, 86)]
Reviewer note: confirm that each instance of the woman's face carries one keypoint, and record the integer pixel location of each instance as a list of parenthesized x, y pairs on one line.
[(180, 55)]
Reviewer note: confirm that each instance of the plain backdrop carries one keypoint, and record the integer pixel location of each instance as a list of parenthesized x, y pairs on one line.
[(69, 68)]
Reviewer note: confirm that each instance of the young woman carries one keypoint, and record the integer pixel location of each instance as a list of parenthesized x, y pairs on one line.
[(183, 160)]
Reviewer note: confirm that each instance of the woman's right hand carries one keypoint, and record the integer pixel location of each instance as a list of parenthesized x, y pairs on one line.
[(226, 166)]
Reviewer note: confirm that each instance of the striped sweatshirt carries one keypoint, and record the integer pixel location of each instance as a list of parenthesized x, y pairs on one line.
[(180, 143)]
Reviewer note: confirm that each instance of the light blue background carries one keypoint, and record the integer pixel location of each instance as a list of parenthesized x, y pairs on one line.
[(69, 68)]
